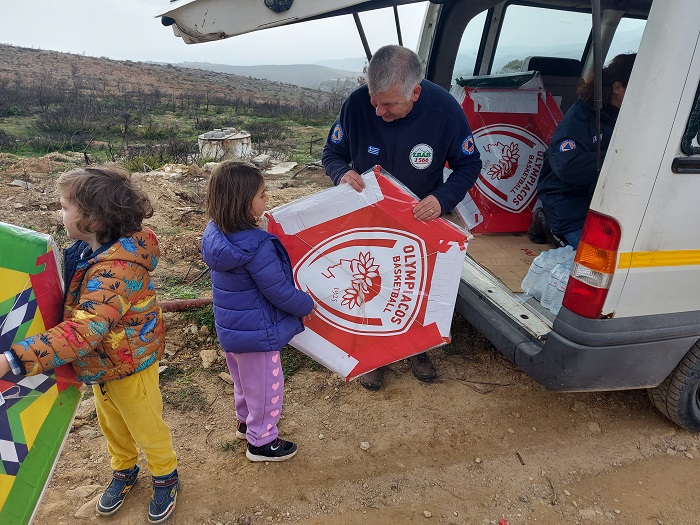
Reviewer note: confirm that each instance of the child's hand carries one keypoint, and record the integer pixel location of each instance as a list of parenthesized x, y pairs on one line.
[(307, 318), (4, 365)]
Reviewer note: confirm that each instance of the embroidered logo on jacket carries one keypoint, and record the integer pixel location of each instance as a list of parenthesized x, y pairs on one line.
[(373, 150), (421, 156), (567, 145), (468, 147), (337, 134)]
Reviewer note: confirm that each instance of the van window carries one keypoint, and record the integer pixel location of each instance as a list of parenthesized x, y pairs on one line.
[(627, 37), (690, 144), (469, 47), (529, 31)]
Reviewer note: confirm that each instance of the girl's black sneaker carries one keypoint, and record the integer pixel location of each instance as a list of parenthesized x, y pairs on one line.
[(278, 450), (241, 429)]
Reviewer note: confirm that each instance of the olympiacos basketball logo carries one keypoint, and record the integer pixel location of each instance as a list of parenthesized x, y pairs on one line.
[(512, 160), (366, 280)]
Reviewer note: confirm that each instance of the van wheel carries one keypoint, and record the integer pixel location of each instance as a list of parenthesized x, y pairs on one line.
[(678, 397)]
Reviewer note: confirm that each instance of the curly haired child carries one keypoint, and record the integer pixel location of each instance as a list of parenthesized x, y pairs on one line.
[(112, 331)]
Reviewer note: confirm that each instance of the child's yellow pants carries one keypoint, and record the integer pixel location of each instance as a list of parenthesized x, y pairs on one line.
[(130, 413)]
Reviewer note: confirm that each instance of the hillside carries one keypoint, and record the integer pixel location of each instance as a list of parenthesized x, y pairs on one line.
[(23, 66), (306, 75)]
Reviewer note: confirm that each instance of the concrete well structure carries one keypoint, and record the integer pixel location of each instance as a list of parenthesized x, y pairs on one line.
[(225, 143)]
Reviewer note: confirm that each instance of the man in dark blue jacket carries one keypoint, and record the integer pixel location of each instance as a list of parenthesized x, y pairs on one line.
[(410, 127), (569, 175)]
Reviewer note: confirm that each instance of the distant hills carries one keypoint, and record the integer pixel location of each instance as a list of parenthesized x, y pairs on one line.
[(355, 65), (284, 83), (314, 76), (36, 67)]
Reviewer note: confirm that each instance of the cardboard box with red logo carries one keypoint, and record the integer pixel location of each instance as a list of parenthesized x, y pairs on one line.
[(512, 128), (384, 284)]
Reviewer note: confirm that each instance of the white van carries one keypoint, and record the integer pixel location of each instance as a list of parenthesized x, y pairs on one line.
[(631, 310)]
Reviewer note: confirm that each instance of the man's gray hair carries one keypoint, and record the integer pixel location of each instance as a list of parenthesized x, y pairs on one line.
[(394, 66)]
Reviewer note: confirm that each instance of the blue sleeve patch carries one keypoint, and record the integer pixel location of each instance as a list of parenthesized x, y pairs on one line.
[(567, 145), (337, 134), (468, 147)]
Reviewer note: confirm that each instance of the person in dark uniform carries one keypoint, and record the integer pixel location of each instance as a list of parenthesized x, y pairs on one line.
[(569, 174), (410, 127)]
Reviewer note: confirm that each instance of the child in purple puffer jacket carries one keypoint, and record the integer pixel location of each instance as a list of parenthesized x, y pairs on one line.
[(257, 308)]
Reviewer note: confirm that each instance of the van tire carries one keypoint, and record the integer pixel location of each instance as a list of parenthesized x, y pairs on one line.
[(678, 397)]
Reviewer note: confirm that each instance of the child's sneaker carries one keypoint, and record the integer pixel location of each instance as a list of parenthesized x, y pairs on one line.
[(241, 429), (113, 497), (163, 499), (278, 450)]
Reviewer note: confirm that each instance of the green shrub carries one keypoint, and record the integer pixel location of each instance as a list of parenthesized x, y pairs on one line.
[(202, 317), (8, 143)]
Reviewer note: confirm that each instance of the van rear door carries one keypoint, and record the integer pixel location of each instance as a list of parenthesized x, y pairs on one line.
[(198, 21), (655, 202)]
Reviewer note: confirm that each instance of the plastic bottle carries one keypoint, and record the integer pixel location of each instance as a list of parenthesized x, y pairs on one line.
[(534, 272), (562, 281), (553, 258), (551, 290), (556, 286), (535, 282)]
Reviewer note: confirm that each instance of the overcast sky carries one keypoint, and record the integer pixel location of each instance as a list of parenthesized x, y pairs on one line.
[(129, 30)]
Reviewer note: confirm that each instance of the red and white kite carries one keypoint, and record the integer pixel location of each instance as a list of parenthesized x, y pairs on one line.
[(511, 128), (385, 284)]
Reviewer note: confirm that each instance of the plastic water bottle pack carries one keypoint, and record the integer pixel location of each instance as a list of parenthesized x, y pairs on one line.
[(556, 286), (548, 275)]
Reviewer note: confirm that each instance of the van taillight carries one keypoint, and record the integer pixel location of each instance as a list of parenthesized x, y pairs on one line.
[(594, 265)]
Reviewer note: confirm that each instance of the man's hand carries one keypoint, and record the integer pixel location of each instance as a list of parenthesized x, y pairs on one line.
[(354, 179), (427, 209)]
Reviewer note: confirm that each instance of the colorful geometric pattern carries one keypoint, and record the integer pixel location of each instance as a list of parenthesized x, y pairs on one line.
[(20, 309), (35, 411), (16, 396)]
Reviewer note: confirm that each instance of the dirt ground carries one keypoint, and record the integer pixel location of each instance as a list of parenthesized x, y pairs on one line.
[(482, 445)]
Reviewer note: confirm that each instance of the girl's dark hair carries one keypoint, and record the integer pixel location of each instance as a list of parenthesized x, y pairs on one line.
[(618, 70), (230, 192), (110, 204)]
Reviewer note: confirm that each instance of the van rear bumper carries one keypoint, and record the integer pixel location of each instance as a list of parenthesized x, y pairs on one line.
[(581, 354)]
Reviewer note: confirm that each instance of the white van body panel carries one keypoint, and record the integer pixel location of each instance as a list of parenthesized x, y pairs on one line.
[(206, 20), (199, 21), (657, 209)]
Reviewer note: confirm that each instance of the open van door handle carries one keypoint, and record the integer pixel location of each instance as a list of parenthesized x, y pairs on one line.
[(685, 165)]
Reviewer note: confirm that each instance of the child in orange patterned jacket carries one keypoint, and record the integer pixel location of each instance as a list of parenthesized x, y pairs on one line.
[(112, 331)]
